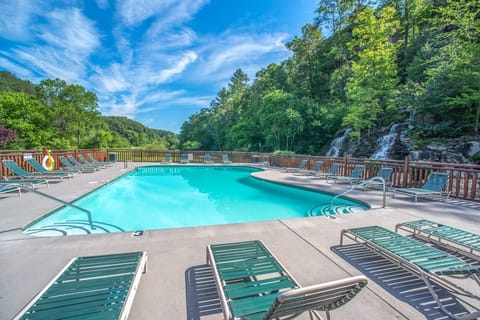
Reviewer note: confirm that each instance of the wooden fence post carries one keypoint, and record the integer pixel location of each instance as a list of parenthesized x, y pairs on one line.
[(405, 179)]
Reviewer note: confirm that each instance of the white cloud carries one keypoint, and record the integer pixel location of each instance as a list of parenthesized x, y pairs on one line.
[(16, 18)]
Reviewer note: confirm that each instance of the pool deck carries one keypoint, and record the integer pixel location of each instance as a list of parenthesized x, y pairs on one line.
[(178, 283)]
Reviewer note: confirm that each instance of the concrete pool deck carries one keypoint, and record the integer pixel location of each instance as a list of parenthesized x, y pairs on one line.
[(178, 283)]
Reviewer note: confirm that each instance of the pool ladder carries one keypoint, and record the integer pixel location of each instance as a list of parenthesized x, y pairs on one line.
[(89, 214), (353, 187)]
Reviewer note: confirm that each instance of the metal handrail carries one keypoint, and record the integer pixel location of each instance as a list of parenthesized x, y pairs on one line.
[(353, 187), (89, 214)]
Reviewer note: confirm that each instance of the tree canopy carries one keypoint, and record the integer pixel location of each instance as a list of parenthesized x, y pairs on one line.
[(362, 65)]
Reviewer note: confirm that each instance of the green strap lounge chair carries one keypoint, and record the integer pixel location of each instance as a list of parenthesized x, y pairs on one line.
[(253, 284), (299, 168), (354, 176), (41, 170), (225, 159), (86, 162), (207, 159), (434, 185), (23, 174), (77, 164), (330, 172), (93, 160), (96, 287), (425, 261), (73, 168), (452, 238)]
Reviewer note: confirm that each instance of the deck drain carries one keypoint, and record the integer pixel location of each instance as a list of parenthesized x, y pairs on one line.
[(138, 233)]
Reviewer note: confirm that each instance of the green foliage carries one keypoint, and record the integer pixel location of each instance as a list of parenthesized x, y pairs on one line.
[(59, 115)]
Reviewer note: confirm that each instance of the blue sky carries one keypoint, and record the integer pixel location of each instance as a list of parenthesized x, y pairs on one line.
[(155, 61)]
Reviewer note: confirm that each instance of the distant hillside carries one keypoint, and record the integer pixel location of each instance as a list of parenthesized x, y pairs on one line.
[(9, 82), (136, 133)]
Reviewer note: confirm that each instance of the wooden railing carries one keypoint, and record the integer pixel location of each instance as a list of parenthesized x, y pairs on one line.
[(463, 183)]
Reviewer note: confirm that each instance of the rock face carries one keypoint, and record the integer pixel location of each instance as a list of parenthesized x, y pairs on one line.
[(394, 143)]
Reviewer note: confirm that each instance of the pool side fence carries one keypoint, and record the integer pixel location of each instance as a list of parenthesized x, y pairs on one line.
[(463, 183)]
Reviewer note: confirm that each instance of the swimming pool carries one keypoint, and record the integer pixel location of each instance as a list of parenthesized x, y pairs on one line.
[(161, 197)]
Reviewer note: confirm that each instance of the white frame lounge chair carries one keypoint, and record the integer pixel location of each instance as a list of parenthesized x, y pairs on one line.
[(434, 185), (23, 174), (426, 262), (330, 172), (354, 176), (253, 284), (225, 159), (207, 159), (100, 287), (301, 166)]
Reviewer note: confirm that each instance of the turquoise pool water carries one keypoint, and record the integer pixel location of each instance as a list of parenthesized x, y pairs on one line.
[(160, 197)]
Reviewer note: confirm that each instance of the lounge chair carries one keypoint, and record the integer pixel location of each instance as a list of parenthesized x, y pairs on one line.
[(332, 171), (427, 262), (41, 170), (384, 173), (300, 167), (23, 174), (7, 188), (96, 287), (355, 175), (184, 158), (265, 161), (207, 159), (253, 284), (86, 162), (73, 168), (93, 160), (452, 238), (32, 183), (310, 172), (225, 159), (167, 158), (434, 185), (77, 164)]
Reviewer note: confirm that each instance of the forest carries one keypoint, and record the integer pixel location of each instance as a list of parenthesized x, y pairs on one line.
[(59, 115), (362, 65)]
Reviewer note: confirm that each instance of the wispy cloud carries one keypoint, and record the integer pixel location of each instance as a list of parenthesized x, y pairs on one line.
[(16, 18)]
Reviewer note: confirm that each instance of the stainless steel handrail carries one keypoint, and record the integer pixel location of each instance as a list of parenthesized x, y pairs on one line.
[(89, 214), (353, 187)]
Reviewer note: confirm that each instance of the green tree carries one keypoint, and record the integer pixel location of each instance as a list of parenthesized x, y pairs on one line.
[(372, 89)]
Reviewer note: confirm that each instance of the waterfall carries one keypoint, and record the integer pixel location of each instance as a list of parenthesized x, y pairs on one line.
[(384, 143), (337, 144)]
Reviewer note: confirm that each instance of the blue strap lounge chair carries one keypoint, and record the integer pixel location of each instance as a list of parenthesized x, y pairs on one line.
[(93, 160), (330, 172), (96, 287), (207, 159), (384, 176), (77, 164), (452, 238), (167, 158), (265, 161), (184, 158), (253, 284), (10, 188), (225, 159), (301, 166), (31, 183), (317, 166), (73, 168), (86, 162), (434, 185), (428, 263), (354, 176), (41, 170), (23, 174)]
